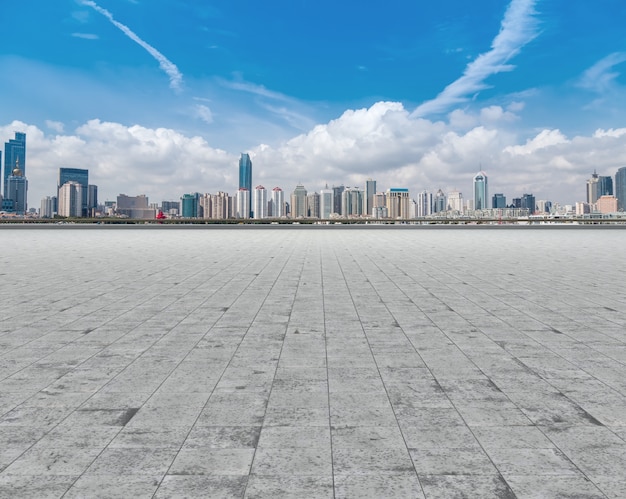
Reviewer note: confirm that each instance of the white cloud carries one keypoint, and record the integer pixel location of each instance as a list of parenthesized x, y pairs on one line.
[(382, 142), (204, 113), (57, 126), (600, 77), (85, 36), (175, 76), (546, 138), (518, 28)]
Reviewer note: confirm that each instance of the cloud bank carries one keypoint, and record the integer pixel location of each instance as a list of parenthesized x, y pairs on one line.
[(175, 76)]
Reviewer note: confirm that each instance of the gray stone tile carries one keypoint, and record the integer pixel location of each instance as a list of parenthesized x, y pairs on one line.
[(289, 487), (212, 461), (465, 486), (202, 486), (388, 485)]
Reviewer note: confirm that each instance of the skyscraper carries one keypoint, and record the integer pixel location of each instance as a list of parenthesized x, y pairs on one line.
[(424, 204), (337, 192), (498, 201), (440, 203), (260, 202), (70, 199), (528, 202), (245, 179), (298, 202), (368, 196), (398, 203), (14, 151), (278, 202), (81, 177), (620, 188), (326, 203), (592, 188), (16, 189), (605, 186), (243, 203), (481, 191)]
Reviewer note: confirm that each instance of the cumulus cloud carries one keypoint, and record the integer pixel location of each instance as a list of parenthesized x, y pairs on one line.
[(518, 28), (57, 126), (382, 142), (175, 76)]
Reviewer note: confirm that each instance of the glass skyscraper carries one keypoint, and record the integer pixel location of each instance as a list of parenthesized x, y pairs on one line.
[(245, 178), (620, 188), (14, 150), (481, 192), (80, 176)]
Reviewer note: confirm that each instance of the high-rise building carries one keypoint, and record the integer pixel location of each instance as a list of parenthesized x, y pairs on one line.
[(481, 191), (398, 203), (424, 204), (351, 202), (81, 177), (326, 203), (243, 203), (498, 201), (368, 196), (455, 201), (528, 202), (605, 186), (440, 203), (606, 204), (92, 200), (16, 190), (260, 202), (48, 207), (220, 208), (298, 202), (14, 152), (245, 179), (592, 188), (337, 192), (313, 205), (278, 203), (70, 200), (189, 206), (620, 188)]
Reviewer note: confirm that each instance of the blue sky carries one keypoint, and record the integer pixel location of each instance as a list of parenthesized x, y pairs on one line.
[(160, 97)]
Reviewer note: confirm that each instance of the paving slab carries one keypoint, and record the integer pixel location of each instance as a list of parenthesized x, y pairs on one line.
[(312, 361)]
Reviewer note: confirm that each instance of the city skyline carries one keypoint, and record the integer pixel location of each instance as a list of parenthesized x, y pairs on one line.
[(418, 96)]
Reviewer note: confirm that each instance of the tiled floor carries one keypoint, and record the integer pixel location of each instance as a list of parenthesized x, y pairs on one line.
[(312, 362)]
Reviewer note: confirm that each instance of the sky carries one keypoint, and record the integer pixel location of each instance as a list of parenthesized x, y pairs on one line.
[(160, 97)]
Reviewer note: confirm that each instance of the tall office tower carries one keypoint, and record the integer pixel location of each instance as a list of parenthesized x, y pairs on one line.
[(398, 203), (498, 201), (455, 201), (189, 206), (48, 207), (243, 203), (92, 200), (298, 202), (605, 186), (368, 196), (592, 188), (16, 190), (516, 203), (424, 204), (351, 202), (380, 200), (337, 192), (528, 202), (260, 202), (440, 203), (278, 202), (70, 199), (14, 151), (81, 177), (326, 203), (245, 179), (620, 188), (481, 191), (313, 205)]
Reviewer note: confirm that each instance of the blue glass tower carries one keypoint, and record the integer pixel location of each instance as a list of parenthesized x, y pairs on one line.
[(245, 177), (14, 152), (481, 192)]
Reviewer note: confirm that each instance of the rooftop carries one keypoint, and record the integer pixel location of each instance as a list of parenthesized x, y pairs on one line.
[(312, 362)]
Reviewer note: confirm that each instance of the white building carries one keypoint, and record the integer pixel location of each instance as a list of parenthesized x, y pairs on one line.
[(71, 200), (277, 203), (243, 203), (260, 202)]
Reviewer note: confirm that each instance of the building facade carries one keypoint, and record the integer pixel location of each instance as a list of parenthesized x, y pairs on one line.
[(298, 202), (260, 202), (16, 191), (278, 203), (481, 191), (70, 200), (620, 188), (398, 203), (245, 179), (14, 152)]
